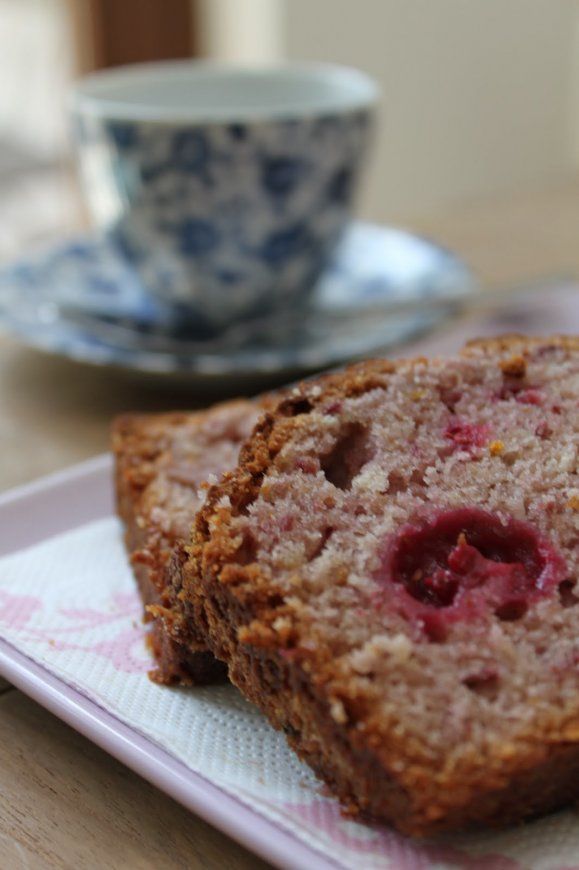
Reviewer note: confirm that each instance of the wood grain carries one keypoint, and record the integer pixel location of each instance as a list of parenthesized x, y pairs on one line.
[(56, 413), (64, 804), (516, 238)]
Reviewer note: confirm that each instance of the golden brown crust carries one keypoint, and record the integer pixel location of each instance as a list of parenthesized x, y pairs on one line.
[(516, 343), (222, 590)]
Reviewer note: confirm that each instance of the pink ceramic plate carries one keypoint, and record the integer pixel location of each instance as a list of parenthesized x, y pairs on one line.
[(57, 504)]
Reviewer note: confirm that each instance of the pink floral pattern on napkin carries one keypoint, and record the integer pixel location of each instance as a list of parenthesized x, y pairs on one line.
[(82, 628), (17, 610), (387, 847)]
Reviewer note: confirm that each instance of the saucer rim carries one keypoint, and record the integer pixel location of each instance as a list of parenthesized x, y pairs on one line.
[(216, 367)]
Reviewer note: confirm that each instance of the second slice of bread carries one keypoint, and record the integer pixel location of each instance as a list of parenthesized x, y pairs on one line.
[(163, 466)]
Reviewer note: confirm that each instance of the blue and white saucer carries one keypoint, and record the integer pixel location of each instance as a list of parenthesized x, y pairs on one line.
[(382, 288)]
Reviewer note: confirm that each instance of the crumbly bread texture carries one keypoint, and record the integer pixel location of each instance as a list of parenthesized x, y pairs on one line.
[(390, 574), (163, 466)]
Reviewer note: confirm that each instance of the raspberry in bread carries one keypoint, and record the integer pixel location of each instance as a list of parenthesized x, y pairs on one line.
[(162, 464), (390, 574)]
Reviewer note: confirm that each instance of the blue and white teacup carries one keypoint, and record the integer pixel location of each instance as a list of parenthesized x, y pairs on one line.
[(225, 188)]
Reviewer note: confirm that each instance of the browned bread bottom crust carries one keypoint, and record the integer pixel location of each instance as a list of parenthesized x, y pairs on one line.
[(320, 692)]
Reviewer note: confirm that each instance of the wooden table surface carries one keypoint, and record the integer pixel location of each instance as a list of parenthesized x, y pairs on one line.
[(63, 802)]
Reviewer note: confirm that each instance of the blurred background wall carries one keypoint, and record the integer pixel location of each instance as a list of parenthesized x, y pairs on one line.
[(479, 96)]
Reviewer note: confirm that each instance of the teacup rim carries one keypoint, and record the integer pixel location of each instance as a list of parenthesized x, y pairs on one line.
[(87, 95)]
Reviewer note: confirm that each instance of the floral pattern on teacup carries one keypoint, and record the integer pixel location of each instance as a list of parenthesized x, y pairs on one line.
[(231, 220)]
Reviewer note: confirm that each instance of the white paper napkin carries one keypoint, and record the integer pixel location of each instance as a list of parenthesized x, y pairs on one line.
[(70, 604)]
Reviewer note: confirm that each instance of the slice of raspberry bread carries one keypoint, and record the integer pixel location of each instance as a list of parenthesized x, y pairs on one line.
[(162, 464), (390, 574)]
